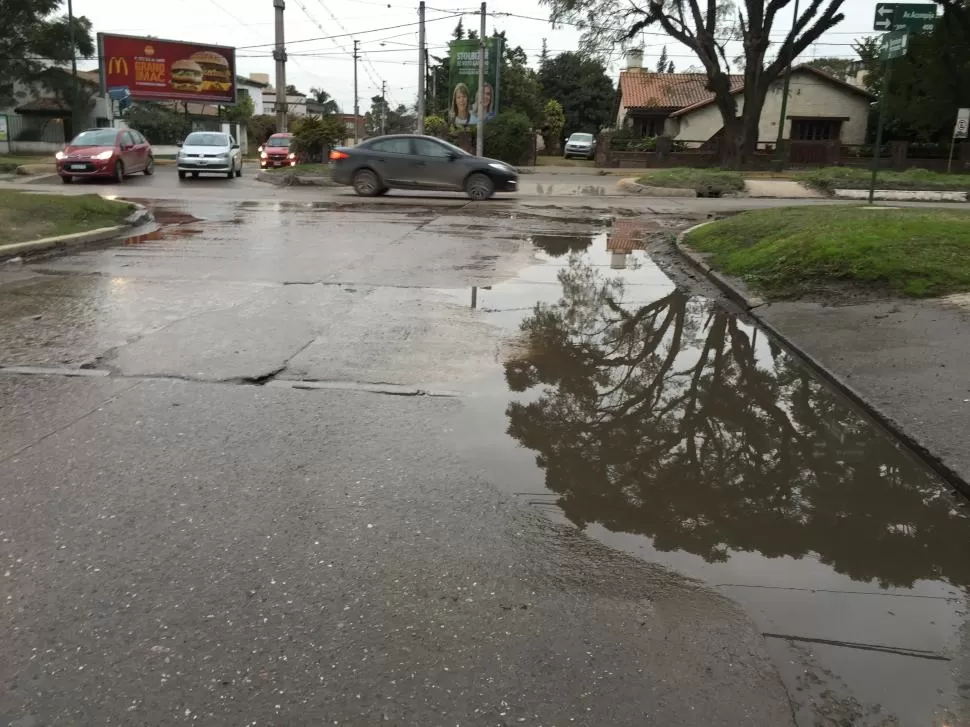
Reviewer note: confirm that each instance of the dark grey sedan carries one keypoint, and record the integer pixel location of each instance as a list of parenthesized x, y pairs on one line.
[(410, 161)]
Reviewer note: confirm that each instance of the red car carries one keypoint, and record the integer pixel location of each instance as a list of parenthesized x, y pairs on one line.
[(112, 153), (276, 152)]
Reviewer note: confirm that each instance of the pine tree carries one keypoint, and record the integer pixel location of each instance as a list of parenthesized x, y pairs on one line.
[(459, 32), (544, 55), (670, 67), (663, 61)]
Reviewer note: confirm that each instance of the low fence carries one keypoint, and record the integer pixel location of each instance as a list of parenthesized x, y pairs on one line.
[(35, 134), (661, 152)]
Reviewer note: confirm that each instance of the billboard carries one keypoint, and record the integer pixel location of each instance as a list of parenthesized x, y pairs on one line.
[(463, 81), (167, 70)]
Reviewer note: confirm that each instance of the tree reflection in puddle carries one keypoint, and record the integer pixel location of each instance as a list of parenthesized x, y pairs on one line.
[(679, 422)]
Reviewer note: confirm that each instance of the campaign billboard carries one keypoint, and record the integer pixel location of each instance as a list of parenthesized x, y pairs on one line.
[(463, 81), (167, 70)]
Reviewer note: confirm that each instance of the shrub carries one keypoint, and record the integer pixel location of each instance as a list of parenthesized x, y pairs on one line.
[(509, 137), (159, 125), (436, 126), (314, 136)]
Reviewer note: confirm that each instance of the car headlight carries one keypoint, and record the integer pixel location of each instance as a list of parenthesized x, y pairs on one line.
[(59, 155), (262, 155), (292, 156), (103, 155), (501, 167)]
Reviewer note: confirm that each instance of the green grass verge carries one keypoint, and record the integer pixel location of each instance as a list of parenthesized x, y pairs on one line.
[(9, 164), (707, 182), (831, 178), (319, 169), (25, 216), (785, 252)]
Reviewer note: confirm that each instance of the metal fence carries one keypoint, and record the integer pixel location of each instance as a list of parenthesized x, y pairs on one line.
[(35, 129)]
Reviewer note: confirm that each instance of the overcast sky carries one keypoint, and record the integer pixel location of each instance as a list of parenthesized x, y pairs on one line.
[(387, 53)]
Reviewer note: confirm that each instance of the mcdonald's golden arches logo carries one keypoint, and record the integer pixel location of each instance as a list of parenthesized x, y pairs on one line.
[(118, 65)]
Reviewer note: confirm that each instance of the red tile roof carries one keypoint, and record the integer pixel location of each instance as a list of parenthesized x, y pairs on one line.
[(644, 89)]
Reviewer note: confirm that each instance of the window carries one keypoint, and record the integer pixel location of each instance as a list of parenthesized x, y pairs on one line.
[(108, 137), (139, 139), (649, 126), (393, 146), (816, 129), (428, 148)]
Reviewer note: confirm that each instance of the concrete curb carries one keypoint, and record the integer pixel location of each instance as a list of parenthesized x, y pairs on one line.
[(288, 179), (632, 186), (140, 216), (902, 195), (736, 292)]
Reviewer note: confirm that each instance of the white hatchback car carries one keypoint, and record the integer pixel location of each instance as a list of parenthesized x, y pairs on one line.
[(209, 152)]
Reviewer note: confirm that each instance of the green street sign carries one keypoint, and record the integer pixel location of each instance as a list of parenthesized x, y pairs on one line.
[(894, 44), (916, 18)]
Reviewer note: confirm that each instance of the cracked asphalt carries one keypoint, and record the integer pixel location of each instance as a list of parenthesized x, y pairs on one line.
[(277, 463)]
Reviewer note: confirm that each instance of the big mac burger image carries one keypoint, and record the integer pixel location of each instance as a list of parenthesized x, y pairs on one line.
[(216, 75), (186, 76)]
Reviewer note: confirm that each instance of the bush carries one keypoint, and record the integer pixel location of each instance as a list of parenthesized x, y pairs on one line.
[(437, 126), (160, 125), (313, 136), (509, 137)]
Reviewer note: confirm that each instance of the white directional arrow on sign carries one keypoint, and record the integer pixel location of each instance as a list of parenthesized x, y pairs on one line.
[(884, 16)]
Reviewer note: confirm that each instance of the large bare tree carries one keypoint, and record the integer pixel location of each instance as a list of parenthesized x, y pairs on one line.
[(706, 27)]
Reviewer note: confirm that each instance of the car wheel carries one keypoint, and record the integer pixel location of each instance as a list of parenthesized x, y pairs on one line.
[(366, 183), (239, 171), (231, 174), (479, 187), (181, 174), (119, 172), (150, 167), (67, 179)]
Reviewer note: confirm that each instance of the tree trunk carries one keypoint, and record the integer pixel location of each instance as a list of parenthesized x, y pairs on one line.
[(732, 142), (754, 102)]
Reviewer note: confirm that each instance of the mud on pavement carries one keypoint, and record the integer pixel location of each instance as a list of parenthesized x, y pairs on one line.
[(296, 465)]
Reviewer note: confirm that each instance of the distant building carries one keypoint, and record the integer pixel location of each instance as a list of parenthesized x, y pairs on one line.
[(678, 105)]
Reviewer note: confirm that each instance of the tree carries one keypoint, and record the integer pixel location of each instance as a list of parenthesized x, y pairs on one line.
[(520, 90), (291, 90), (241, 112), (459, 32), (160, 124), (509, 137), (704, 27), (581, 85), (838, 67), (33, 40), (395, 121), (663, 61), (330, 106), (314, 136), (553, 122), (676, 421)]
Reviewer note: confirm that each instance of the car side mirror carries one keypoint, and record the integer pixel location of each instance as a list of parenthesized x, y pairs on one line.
[(452, 156), (235, 146), (178, 144)]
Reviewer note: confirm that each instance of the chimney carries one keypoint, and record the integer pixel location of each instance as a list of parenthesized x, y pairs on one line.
[(634, 60)]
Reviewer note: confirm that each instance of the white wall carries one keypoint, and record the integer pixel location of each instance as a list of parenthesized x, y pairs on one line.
[(256, 94), (808, 95), (35, 147)]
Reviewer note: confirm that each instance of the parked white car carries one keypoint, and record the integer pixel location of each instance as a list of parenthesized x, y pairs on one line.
[(209, 152), (580, 145)]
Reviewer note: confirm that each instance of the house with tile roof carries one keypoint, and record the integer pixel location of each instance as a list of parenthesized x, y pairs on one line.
[(679, 105)]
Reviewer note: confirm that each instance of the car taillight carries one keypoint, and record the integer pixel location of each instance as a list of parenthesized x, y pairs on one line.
[(338, 155)]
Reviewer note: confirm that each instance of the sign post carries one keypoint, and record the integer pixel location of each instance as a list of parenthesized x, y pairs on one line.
[(894, 45), (960, 131), (916, 18)]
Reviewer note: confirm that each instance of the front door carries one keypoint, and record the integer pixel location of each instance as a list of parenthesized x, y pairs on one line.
[(130, 154), (435, 167), (393, 161)]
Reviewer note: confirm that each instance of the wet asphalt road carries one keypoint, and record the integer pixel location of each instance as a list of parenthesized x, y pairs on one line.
[(281, 464)]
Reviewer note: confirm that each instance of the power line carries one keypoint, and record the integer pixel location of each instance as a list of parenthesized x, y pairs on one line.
[(344, 35)]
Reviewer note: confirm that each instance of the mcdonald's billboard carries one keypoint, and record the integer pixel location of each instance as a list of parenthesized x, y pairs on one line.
[(167, 70)]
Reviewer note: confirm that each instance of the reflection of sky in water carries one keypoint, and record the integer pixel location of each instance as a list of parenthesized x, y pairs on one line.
[(855, 542)]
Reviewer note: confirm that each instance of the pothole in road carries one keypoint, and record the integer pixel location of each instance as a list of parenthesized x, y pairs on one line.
[(663, 425)]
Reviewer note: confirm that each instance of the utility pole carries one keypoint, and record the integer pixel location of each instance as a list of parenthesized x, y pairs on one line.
[(779, 155), (480, 132), (383, 107), (434, 83), (356, 102), (422, 61), (74, 98), (279, 55)]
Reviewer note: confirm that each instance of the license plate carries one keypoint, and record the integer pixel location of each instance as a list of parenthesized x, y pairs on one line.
[(80, 167), (203, 162)]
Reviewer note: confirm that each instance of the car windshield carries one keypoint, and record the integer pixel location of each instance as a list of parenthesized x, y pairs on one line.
[(280, 141), (581, 137), (98, 137), (206, 139)]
